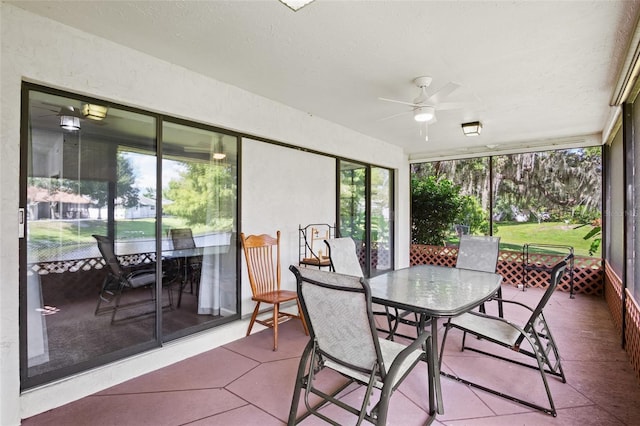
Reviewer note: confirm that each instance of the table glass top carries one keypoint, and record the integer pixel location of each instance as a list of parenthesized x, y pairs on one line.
[(434, 290)]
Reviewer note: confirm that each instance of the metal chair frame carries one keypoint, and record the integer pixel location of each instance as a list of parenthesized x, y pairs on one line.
[(118, 280), (535, 331), (377, 363)]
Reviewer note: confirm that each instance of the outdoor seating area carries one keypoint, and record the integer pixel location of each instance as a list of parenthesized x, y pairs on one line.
[(233, 384)]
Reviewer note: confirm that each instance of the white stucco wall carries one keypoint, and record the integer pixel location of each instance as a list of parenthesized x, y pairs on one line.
[(42, 51)]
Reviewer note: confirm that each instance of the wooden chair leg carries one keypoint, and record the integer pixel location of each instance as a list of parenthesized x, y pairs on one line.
[(276, 309), (253, 318)]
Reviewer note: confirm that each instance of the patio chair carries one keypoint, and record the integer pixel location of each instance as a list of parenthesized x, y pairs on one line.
[(262, 254), (344, 260), (120, 280), (480, 253), (338, 311), (182, 238), (343, 257), (531, 338)]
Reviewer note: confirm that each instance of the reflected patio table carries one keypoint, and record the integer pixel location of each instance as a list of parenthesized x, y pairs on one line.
[(209, 285), (435, 292)]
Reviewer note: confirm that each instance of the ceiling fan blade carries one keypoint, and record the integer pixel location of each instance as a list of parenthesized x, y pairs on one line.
[(449, 106), (395, 115), (441, 94), (399, 102)]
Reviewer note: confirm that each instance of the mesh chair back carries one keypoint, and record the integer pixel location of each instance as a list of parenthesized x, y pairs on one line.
[(556, 275), (479, 253), (344, 259), (262, 253), (337, 308), (182, 238), (105, 245)]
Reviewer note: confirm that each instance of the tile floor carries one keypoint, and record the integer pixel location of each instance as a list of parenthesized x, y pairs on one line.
[(246, 383)]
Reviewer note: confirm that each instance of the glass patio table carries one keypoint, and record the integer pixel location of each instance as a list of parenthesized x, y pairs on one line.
[(434, 292)]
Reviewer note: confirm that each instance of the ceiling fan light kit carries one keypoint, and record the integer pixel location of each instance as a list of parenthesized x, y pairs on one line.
[(472, 128), (424, 106), (424, 114), (68, 122)]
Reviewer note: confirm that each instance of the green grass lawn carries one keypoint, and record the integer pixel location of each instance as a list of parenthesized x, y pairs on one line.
[(514, 235), (75, 231)]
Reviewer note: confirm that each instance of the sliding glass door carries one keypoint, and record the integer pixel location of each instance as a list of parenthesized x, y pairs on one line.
[(104, 191), (366, 213)]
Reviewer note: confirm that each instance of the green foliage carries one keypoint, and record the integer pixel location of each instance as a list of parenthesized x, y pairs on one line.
[(353, 203), (473, 215), (435, 206), (204, 194), (583, 214)]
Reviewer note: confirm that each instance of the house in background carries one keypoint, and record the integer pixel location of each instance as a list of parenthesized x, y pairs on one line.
[(291, 151)]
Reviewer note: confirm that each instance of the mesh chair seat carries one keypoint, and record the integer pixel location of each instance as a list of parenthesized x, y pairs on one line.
[(493, 328), (390, 351)]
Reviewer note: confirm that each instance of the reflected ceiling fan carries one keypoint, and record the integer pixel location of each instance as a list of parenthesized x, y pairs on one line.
[(70, 116), (424, 106)]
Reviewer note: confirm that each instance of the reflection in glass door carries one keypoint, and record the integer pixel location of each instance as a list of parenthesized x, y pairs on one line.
[(366, 214), (199, 188), (86, 167), (123, 250)]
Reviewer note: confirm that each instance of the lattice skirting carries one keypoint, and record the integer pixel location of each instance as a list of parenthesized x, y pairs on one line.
[(613, 295), (75, 265), (587, 271), (632, 332), (613, 292)]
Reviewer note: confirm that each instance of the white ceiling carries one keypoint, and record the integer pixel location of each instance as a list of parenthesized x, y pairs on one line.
[(533, 72)]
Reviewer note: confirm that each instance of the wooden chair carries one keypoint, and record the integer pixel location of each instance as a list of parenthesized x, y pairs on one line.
[(262, 253)]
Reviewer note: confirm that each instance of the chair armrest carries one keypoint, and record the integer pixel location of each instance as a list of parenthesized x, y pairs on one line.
[(513, 302), (420, 343), (495, 318)]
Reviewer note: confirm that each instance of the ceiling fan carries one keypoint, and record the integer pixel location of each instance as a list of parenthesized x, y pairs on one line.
[(424, 106)]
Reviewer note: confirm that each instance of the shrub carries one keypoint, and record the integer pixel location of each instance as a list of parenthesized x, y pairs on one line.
[(435, 206)]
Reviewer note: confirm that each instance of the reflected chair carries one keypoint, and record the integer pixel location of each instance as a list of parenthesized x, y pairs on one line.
[(344, 339), (119, 280), (480, 253), (182, 238), (531, 338), (262, 254)]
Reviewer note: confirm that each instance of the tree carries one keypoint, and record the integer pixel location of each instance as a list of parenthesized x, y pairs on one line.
[(98, 191), (203, 194), (435, 205)]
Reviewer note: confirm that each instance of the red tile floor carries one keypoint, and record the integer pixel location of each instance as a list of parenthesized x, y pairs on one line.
[(246, 383)]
